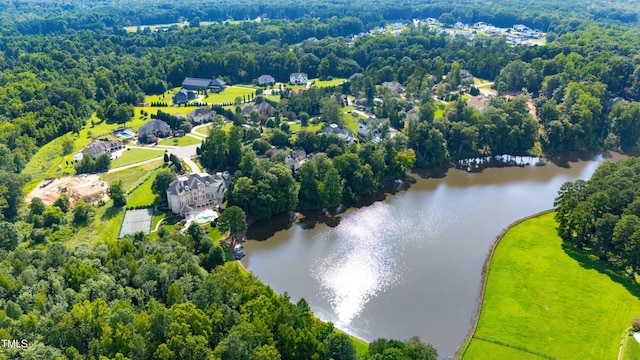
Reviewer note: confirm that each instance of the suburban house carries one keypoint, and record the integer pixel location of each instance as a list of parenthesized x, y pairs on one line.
[(196, 191), (182, 96), (216, 85), (479, 102), (201, 115), (156, 128), (298, 78), (394, 86), (264, 108), (264, 80), (465, 74), (612, 101), (343, 133), (370, 129), (295, 159), (97, 148)]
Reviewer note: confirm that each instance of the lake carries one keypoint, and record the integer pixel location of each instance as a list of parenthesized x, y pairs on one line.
[(409, 264)]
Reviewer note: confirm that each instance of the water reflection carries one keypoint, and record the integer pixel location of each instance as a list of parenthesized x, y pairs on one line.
[(410, 264), (362, 264)]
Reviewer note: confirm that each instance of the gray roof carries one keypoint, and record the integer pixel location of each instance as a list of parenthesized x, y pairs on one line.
[(266, 79), (335, 129), (102, 147), (217, 83), (200, 114), (264, 108), (153, 126), (197, 82), (194, 180)]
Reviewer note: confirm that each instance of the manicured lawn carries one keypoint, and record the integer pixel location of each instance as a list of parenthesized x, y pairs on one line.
[(275, 98), (131, 176), (229, 95), (133, 156), (182, 141), (483, 350), (440, 108), (142, 195), (631, 349), (205, 129), (551, 300), (294, 128), (327, 83)]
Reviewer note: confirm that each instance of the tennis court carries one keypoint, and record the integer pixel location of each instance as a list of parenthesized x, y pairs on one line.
[(136, 220)]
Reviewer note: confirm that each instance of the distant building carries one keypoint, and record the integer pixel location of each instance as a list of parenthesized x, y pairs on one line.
[(298, 78), (196, 191), (370, 128), (465, 74), (156, 128), (182, 96), (97, 148), (609, 104), (215, 85), (201, 115), (479, 102), (295, 159), (264, 80), (355, 75), (520, 28), (264, 108), (394, 86), (343, 133)]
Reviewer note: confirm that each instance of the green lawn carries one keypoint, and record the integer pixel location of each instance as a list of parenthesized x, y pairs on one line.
[(142, 195), (440, 108), (631, 349), (133, 156), (327, 83), (181, 141), (551, 300), (294, 128), (204, 131), (275, 98), (131, 176), (229, 95)]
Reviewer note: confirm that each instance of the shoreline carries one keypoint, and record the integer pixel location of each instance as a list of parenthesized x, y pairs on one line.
[(459, 354)]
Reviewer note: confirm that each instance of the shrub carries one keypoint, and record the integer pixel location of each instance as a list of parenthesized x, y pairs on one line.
[(635, 323)]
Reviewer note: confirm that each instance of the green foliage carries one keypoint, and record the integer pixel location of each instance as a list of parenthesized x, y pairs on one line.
[(602, 213), (9, 236), (117, 194), (161, 183), (234, 220)]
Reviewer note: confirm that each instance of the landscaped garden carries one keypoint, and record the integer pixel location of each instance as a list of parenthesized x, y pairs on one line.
[(543, 297)]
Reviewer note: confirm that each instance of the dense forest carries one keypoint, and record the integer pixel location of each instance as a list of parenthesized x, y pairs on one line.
[(173, 297), (603, 213)]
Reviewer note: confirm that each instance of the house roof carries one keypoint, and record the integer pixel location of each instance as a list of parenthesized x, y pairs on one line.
[(335, 129), (355, 75), (197, 82), (217, 83), (465, 73), (195, 180), (479, 101), (266, 79), (298, 76), (394, 86), (263, 108), (154, 125), (202, 113), (102, 147)]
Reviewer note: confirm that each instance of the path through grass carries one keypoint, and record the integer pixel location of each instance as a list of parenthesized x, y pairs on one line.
[(556, 302)]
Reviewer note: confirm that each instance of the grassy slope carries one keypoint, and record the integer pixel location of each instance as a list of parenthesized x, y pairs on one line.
[(553, 301), (142, 195), (131, 175), (133, 156), (631, 349), (181, 141)]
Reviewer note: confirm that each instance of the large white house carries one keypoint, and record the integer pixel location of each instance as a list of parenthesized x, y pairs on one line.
[(197, 191)]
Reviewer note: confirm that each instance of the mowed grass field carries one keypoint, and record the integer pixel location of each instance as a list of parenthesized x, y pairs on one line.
[(556, 302)]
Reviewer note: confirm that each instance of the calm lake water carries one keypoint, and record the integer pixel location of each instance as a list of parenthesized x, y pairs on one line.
[(410, 264)]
